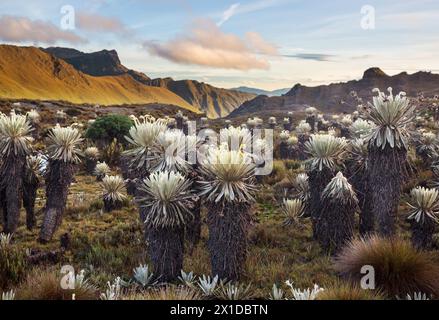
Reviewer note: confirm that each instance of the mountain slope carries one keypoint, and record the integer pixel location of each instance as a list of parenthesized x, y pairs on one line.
[(214, 101), (256, 91), (101, 63), (337, 97), (39, 75)]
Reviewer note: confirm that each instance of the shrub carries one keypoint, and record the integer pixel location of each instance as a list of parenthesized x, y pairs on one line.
[(45, 285), (110, 127), (399, 268), (165, 293), (348, 291)]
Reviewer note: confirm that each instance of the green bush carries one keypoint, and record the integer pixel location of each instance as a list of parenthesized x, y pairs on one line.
[(106, 129)]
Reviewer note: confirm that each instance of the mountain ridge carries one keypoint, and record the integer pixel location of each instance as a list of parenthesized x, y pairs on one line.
[(215, 102), (273, 93), (337, 97)]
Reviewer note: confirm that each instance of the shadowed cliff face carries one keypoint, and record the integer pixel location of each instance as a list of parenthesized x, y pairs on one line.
[(215, 102), (337, 97)]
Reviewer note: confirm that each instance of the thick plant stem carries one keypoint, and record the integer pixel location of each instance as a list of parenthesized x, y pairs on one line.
[(318, 180), (284, 151), (58, 180), (422, 233), (90, 165), (166, 248), (337, 225), (386, 171), (11, 183), (228, 238), (193, 228), (111, 205), (30, 187), (359, 181)]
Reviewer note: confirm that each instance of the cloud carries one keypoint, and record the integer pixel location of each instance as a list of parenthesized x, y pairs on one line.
[(22, 29), (98, 23), (311, 56), (230, 12), (205, 44), (261, 46)]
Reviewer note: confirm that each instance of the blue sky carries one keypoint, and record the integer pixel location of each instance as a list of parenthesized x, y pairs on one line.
[(268, 44)]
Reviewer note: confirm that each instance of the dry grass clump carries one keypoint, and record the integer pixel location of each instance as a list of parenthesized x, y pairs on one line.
[(168, 292), (399, 268), (348, 291), (45, 284)]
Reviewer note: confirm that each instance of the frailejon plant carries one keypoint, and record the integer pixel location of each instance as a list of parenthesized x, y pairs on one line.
[(337, 220), (424, 215), (142, 136), (33, 172), (91, 155), (235, 138), (113, 192), (306, 294), (63, 154), (388, 145), (143, 276), (227, 186), (187, 278), (166, 200), (284, 136), (326, 155), (169, 151), (276, 293), (15, 145), (292, 210), (234, 291), (208, 285), (101, 170), (427, 146), (360, 128)]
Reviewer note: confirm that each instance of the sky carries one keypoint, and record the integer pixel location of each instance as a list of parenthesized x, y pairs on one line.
[(267, 44)]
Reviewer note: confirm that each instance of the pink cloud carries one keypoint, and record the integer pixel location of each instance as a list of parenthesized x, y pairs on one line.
[(99, 23), (206, 45), (21, 29)]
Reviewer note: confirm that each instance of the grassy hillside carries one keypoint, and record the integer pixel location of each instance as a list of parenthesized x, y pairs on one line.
[(39, 75)]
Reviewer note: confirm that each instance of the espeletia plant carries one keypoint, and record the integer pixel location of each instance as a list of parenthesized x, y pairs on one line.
[(166, 202), (427, 147), (101, 170), (388, 145), (360, 128), (423, 215), (292, 210), (142, 136), (227, 187), (91, 155), (113, 192), (326, 155), (15, 146), (306, 294), (337, 220), (169, 151), (64, 151)]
